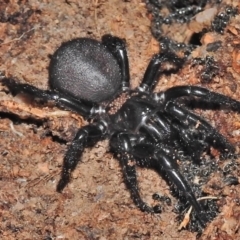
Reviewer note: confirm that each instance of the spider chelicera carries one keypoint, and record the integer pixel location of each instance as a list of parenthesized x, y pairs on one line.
[(144, 128)]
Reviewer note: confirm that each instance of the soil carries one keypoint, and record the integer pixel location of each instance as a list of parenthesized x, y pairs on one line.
[(34, 138)]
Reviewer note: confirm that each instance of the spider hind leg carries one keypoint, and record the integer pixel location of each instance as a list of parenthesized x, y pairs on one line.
[(83, 107)]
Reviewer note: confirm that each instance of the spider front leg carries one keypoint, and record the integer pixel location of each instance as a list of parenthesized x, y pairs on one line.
[(189, 120), (83, 107), (85, 137), (122, 146), (164, 161), (207, 96)]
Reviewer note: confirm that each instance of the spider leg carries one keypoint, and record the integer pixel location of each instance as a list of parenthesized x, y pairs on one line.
[(121, 145), (152, 72), (117, 47), (199, 92), (190, 120), (164, 160), (85, 137), (83, 107)]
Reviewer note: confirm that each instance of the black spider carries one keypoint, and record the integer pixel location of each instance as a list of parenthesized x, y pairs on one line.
[(147, 129)]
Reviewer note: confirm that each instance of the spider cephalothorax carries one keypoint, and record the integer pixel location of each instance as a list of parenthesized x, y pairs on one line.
[(87, 76)]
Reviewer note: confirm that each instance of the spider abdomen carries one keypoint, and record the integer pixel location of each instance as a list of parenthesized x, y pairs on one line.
[(85, 69)]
